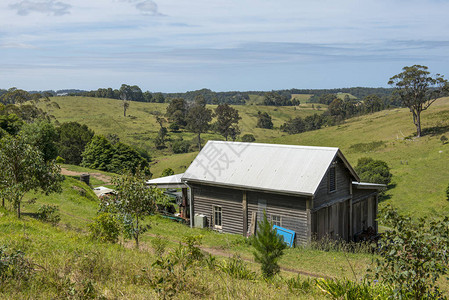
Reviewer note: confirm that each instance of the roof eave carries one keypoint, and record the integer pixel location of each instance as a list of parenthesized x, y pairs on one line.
[(250, 188), (369, 186)]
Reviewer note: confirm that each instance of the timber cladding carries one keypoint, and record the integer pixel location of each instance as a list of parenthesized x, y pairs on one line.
[(230, 201), (290, 211), (343, 183)]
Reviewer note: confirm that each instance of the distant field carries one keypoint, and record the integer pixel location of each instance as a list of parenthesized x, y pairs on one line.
[(303, 98), (255, 100), (343, 95), (140, 128)]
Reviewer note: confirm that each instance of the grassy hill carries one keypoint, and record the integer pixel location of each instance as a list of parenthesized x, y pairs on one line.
[(65, 263), (420, 166)]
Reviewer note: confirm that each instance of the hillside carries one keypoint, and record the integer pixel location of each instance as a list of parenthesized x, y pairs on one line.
[(419, 166)]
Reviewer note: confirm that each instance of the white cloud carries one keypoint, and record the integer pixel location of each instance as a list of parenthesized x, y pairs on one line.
[(51, 7)]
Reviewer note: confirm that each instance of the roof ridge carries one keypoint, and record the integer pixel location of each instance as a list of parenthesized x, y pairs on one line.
[(275, 145)]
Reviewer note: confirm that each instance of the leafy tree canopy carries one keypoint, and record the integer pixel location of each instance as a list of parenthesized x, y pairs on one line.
[(24, 169), (264, 120), (374, 171), (417, 90), (72, 139)]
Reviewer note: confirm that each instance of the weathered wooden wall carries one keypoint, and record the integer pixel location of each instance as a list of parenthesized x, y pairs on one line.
[(292, 210), (343, 190), (230, 200), (332, 221)]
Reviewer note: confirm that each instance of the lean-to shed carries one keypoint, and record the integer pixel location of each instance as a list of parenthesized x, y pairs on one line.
[(313, 191)]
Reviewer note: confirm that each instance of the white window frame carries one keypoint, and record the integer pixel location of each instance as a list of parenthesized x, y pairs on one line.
[(276, 220), (219, 210)]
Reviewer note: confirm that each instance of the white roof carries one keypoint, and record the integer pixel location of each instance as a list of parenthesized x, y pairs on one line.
[(101, 190), (173, 181), (269, 167)]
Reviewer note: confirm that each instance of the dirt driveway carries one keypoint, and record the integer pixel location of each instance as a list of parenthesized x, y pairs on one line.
[(105, 178)]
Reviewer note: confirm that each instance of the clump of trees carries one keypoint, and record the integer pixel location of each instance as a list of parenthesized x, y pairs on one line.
[(227, 121), (264, 120), (72, 140), (277, 99), (101, 154)]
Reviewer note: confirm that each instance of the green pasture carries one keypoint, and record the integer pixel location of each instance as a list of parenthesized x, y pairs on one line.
[(420, 166)]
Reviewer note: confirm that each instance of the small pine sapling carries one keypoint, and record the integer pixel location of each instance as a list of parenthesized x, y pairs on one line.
[(269, 248)]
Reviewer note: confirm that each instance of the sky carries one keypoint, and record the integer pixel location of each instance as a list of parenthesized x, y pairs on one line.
[(222, 45)]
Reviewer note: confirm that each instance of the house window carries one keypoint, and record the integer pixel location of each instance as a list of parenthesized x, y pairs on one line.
[(332, 179), (276, 220), (217, 217)]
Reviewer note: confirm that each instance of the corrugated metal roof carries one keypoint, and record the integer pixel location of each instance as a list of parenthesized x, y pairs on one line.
[(367, 185), (270, 167), (173, 181)]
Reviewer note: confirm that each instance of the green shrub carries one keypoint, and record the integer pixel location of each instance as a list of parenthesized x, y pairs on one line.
[(60, 160), (159, 244), (366, 147), (236, 268), (374, 171), (346, 289), (180, 146), (248, 138), (49, 213), (269, 248), (14, 265), (105, 228), (413, 254), (297, 286), (167, 172)]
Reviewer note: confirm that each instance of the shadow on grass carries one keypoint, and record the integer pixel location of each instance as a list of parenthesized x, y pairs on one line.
[(436, 130), (32, 215)]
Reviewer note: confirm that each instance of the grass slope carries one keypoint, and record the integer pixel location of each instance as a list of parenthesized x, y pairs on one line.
[(420, 166)]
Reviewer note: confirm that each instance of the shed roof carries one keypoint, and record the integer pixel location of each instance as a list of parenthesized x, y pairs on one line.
[(173, 181), (270, 167)]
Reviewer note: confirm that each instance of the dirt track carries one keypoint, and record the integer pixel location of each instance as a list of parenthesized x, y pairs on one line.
[(105, 178)]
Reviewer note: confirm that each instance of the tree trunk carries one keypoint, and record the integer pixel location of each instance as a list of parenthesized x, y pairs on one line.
[(418, 125), (18, 211), (3, 202), (199, 141), (136, 234)]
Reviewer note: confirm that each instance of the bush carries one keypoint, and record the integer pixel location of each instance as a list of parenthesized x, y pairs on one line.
[(412, 255), (269, 248), (180, 146), (159, 244), (374, 171), (105, 228), (14, 265), (167, 172), (49, 213), (297, 286), (236, 268), (248, 138), (60, 160)]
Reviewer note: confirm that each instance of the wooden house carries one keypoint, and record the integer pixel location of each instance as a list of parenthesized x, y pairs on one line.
[(313, 191)]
